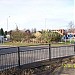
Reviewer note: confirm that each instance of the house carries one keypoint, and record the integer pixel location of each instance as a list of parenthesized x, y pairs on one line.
[(70, 35)]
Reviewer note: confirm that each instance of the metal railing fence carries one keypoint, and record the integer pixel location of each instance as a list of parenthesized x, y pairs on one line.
[(17, 56)]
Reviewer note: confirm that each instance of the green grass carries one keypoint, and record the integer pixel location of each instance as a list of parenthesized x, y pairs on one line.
[(21, 44), (33, 44)]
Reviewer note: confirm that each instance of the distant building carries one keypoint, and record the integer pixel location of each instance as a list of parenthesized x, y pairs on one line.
[(1, 39), (69, 36), (60, 31)]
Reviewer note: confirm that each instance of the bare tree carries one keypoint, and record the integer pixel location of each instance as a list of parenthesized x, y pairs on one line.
[(71, 27)]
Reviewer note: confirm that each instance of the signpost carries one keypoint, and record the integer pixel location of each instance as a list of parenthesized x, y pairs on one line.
[(65, 38), (1, 39), (70, 38)]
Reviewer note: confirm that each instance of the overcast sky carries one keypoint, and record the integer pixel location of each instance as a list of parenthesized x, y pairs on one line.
[(39, 14)]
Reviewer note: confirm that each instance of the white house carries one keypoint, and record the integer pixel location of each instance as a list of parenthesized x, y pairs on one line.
[(1, 39)]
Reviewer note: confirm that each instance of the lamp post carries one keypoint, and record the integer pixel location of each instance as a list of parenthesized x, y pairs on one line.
[(7, 23), (45, 23), (7, 29)]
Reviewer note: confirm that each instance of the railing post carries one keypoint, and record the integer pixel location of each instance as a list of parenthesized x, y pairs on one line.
[(74, 47), (49, 51), (19, 57)]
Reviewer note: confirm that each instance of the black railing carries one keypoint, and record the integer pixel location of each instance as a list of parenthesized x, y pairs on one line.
[(17, 56)]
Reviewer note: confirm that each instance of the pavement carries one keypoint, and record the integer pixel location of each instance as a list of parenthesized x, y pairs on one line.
[(68, 71)]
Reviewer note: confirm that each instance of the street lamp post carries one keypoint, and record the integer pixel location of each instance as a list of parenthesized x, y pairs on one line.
[(7, 23), (45, 23)]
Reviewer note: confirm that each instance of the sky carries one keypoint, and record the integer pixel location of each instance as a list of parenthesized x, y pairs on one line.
[(39, 14)]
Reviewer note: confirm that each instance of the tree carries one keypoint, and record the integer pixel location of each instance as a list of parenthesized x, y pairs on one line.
[(5, 32), (1, 32), (19, 35), (71, 27), (56, 37), (49, 36)]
